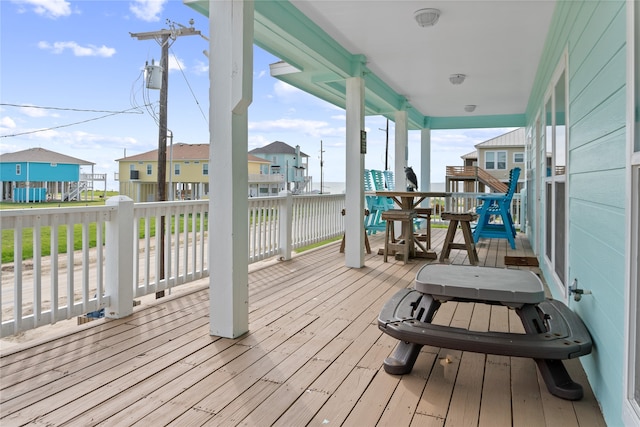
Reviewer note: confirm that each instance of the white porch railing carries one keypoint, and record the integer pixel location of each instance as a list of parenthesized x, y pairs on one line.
[(86, 259), (113, 253)]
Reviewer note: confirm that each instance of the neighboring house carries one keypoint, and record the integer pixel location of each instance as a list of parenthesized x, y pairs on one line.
[(38, 174), (288, 161), (262, 181), (501, 154), (187, 173), (497, 157)]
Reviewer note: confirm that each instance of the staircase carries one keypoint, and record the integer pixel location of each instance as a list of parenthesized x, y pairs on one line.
[(300, 186), (475, 173), (75, 191)]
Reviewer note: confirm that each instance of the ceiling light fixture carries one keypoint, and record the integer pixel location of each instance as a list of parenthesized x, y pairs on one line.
[(426, 17), (457, 79), (469, 108)]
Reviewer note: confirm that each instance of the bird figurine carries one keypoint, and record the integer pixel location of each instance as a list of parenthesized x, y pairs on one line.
[(412, 180)]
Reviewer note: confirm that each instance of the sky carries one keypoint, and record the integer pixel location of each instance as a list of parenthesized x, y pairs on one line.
[(71, 81)]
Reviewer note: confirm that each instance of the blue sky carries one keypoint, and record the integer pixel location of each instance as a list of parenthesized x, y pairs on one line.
[(71, 81)]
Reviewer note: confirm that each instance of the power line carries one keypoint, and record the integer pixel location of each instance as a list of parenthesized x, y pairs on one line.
[(69, 124), (189, 86), (81, 110)]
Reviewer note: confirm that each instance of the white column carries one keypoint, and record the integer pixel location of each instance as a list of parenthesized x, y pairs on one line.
[(354, 197), (401, 149), (230, 74), (425, 159), (119, 259)]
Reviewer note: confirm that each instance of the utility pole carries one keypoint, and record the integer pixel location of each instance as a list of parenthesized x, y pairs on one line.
[(321, 165), (165, 38), (386, 148)]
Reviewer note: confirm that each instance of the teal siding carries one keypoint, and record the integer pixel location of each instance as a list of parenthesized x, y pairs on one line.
[(8, 171), (594, 35)]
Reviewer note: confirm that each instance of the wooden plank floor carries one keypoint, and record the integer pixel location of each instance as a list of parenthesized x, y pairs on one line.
[(313, 356)]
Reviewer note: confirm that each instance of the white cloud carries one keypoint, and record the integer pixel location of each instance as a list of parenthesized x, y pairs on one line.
[(48, 8), (314, 128), (89, 50), (285, 90), (200, 68), (7, 123), (176, 63), (147, 10)]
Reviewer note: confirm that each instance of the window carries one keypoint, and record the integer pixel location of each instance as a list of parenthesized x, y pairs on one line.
[(205, 169), (18, 169), (495, 160), (490, 160), (149, 169), (518, 157), (555, 197), (176, 169)]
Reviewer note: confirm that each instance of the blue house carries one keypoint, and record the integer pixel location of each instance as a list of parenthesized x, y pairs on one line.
[(288, 161), (568, 72), (37, 174)]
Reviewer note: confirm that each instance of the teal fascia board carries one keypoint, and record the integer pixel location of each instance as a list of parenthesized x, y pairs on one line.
[(280, 21), (473, 122)]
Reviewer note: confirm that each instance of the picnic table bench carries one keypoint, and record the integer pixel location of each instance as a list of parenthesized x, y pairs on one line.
[(553, 331)]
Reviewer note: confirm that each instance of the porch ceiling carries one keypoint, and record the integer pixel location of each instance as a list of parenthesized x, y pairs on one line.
[(496, 44)]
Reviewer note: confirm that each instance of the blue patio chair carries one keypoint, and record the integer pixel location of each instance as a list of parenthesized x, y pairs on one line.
[(376, 205), (388, 179), (494, 214)]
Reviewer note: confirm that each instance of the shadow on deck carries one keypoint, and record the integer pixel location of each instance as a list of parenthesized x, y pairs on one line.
[(313, 356)]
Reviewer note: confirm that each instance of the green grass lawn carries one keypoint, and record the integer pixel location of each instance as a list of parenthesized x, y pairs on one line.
[(8, 245)]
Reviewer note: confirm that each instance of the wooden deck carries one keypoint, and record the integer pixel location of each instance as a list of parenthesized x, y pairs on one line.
[(313, 356)]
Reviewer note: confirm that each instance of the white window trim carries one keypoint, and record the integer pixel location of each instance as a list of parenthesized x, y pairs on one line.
[(495, 162), (514, 157), (630, 407), (562, 67)]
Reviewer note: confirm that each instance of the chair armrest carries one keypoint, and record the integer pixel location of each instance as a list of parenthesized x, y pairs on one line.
[(497, 196)]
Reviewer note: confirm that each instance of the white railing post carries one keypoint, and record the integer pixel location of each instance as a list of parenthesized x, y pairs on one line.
[(119, 259), (285, 224)]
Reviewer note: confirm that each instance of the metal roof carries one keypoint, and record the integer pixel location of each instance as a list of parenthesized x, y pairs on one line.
[(511, 139)]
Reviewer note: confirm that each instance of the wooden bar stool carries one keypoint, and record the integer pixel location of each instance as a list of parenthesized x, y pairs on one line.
[(405, 244), (464, 219), (424, 213)]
